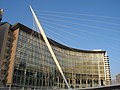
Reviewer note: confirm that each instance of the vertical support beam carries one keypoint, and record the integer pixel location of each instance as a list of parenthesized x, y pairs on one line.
[(9, 87), (99, 75), (48, 45), (12, 59)]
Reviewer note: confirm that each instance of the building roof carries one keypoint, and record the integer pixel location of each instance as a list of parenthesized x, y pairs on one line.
[(29, 30)]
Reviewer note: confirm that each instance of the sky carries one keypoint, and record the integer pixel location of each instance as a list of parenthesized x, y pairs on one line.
[(82, 24)]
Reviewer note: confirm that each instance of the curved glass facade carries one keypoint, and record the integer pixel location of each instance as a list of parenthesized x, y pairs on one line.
[(35, 67)]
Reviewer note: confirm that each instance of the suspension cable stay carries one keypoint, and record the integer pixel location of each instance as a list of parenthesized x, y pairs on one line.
[(48, 45)]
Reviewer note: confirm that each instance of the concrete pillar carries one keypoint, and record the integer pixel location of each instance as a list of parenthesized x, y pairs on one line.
[(86, 83), (92, 82), (9, 87), (80, 84), (58, 82)]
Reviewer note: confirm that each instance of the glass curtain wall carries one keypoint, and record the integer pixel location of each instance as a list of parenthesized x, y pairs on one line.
[(34, 66)]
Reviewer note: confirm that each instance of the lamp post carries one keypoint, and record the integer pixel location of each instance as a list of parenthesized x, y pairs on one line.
[(1, 13)]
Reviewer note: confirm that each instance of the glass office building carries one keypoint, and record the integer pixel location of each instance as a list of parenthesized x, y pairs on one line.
[(31, 64)]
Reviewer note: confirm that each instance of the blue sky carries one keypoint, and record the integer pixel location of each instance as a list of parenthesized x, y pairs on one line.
[(94, 24)]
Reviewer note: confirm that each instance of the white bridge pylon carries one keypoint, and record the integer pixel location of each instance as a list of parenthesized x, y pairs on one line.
[(48, 45)]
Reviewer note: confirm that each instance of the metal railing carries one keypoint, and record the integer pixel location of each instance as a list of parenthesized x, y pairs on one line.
[(24, 88)]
